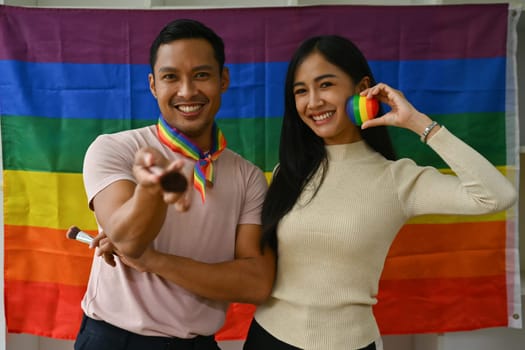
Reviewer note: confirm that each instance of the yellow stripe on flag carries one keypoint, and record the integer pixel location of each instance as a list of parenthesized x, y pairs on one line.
[(450, 219), (28, 202), (54, 200)]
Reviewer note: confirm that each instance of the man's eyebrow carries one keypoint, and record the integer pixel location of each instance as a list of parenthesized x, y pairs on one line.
[(167, 69), (194, 69)]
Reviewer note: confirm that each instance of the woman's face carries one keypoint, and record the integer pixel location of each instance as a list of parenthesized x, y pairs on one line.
[(321, 90)]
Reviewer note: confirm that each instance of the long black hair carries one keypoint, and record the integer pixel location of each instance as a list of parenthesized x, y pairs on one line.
[(301, 151)]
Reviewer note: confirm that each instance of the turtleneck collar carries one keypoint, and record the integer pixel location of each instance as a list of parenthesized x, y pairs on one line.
[(355, 150)]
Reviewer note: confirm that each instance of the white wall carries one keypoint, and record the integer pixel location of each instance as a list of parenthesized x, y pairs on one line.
[(487, 339)]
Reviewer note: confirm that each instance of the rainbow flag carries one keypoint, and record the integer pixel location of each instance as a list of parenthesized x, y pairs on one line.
[(68, 75)]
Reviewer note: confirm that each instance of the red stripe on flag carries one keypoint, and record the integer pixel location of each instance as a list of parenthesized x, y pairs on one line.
[(405, 306), (45, 309), (441, 305), (53, 310), (237, 322)]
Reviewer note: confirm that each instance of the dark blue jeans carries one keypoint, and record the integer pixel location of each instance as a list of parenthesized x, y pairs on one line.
[(259, 339), (99, 335)]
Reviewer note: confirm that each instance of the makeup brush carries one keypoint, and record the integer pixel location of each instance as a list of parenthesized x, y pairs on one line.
[(75, 233)]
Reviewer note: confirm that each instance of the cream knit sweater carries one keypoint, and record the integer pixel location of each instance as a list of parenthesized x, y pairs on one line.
[(332, 249)]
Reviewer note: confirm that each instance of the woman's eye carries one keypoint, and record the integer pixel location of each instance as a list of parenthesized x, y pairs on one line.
[(299, 91), (326, 84)]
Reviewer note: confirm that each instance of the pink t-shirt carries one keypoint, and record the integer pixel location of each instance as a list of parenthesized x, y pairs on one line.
[(144, 303)]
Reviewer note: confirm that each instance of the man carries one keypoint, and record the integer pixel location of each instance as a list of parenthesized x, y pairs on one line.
[(182, 256)]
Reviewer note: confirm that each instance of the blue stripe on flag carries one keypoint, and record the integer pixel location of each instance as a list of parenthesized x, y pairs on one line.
[(114, 91)]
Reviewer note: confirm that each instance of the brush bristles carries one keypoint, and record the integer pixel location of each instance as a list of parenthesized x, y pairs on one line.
[(73, 232), (170, 182), (79, 235)]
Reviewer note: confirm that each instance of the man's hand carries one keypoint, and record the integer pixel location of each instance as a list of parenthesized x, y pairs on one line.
[(152, 169), (106, 249), (140, 264)]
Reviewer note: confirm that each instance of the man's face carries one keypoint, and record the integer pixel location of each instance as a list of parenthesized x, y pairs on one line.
[(188, 84)]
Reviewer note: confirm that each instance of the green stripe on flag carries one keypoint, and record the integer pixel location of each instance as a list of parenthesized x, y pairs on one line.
[(52, 144), (485, 132), (59, 145), (256, 139)]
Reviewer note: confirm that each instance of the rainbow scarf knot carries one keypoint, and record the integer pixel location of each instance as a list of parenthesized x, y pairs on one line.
[(203, 170)]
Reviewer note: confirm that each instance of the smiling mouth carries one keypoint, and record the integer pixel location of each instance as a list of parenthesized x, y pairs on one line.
[(189, 108), (321, 117)]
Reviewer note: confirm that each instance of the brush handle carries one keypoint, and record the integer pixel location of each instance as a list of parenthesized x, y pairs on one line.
[(84, 237)]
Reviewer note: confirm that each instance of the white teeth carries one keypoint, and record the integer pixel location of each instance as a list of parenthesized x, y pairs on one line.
[(189, 109), (322, 116)]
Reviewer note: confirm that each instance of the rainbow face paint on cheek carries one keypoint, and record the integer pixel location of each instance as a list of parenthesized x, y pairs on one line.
[(360, 109)]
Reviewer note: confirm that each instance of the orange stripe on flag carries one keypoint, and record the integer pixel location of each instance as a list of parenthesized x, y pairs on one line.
[(447, 250), (441, 305), (46, 309), (45, 255), (431, 238)]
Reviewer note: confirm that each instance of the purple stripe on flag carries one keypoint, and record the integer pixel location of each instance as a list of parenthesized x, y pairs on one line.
[(256, 34)]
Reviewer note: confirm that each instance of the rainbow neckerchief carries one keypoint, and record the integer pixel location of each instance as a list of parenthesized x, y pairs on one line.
[(179, 143)]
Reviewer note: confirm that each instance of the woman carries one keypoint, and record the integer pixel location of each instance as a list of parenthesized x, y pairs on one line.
[(338, 198)]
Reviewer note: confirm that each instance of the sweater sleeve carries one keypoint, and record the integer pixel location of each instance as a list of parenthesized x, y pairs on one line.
[(476, 188)]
